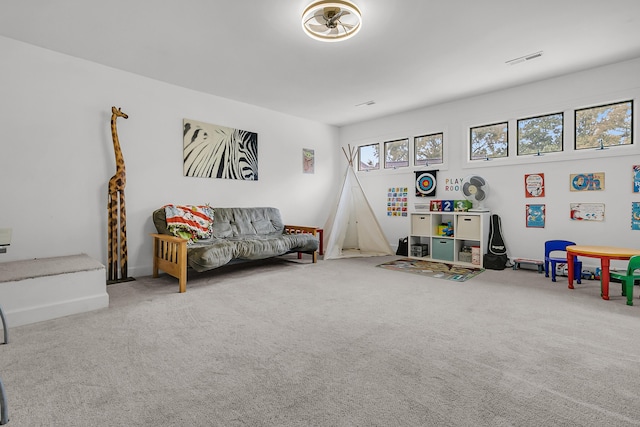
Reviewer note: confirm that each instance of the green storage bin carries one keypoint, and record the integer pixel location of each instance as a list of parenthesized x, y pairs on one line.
[(442, 249)]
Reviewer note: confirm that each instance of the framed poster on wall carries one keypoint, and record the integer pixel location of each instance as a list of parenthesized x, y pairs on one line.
[(635, 215), (397, 204), (593, 181), (534, 185), (535, 215), (587, 211)]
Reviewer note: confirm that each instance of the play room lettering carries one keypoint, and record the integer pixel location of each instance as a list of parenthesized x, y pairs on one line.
[(452, 184)]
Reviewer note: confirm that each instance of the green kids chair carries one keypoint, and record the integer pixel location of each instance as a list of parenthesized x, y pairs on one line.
[(628, 277)]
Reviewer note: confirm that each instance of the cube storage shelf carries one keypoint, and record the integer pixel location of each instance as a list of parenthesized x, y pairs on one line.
[(470, 229)]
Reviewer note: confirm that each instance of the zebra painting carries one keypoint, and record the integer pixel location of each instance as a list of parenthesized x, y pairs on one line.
[(212, 151)]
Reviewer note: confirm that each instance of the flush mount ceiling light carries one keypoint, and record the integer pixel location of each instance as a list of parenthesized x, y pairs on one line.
[(331, 21)]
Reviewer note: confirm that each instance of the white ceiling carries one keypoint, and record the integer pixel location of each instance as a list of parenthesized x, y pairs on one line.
[(409, 53)]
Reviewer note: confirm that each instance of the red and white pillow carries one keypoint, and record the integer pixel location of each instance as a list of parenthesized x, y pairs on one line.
[(190, 222)]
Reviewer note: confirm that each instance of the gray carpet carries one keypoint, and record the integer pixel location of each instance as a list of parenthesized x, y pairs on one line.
[(338, 343)]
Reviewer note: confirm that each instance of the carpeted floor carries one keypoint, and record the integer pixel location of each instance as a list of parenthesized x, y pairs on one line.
[(438, 270), (337, 343)]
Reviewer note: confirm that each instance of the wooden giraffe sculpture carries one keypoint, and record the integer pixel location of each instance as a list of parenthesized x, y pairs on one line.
[(116, 203)]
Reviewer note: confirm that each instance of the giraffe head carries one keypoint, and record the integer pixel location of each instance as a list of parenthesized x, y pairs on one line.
[(118, 113)]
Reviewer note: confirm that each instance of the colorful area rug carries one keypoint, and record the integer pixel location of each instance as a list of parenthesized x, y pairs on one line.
[(439, 270)]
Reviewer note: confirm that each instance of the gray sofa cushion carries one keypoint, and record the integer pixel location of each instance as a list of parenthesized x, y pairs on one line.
[(208, 254), (238, 222), (273, 245)]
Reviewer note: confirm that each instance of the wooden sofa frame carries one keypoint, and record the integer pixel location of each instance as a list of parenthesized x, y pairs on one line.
[(170, 253)]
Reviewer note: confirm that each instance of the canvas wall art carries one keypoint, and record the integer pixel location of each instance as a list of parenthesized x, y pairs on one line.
[(308, 160), (213, 151)]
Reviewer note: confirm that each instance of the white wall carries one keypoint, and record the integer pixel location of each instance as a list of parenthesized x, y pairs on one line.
[(617, 82), (57, 155)]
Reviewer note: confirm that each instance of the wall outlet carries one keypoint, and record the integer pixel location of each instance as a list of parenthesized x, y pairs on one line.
[(5, 237)]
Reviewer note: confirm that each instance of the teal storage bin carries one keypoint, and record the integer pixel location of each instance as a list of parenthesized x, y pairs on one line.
[(442, 249)]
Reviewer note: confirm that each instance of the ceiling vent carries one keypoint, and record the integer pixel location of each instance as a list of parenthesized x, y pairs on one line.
[(521, 59)]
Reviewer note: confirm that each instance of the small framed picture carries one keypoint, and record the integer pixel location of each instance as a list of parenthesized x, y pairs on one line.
[(535, 216), (636, 178), (593, 181), (308, 161), (397, 204), (534, 185), (635, 215), (587, 211)]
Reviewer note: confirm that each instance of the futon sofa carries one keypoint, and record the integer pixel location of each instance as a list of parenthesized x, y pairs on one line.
[(230, 236)]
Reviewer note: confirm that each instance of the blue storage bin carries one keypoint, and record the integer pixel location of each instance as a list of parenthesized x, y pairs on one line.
[(442, 249)]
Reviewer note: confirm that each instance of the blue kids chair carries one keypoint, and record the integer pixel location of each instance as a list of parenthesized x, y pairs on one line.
[(560, 246)]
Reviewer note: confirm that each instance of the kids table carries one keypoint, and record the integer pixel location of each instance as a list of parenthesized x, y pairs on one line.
[(606, 254)]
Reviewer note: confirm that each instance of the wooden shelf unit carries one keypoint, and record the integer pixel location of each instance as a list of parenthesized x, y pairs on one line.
[(470, 229)]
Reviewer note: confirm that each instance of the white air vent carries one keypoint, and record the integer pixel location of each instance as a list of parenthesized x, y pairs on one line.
[(528, 57)]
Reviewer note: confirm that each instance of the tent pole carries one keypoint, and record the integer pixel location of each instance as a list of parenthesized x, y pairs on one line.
[(345, 154), (351, 155)]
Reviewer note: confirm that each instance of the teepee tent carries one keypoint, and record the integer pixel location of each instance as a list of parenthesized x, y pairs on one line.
[(352, 229)]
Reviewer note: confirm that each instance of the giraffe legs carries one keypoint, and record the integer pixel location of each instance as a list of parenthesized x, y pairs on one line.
[(124, 258), (118, 256), (113, 237)]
